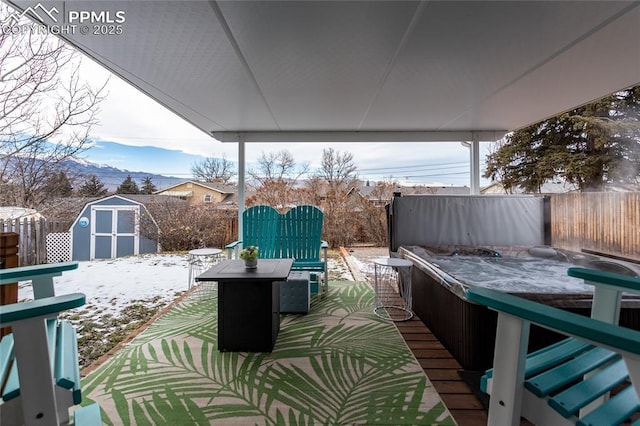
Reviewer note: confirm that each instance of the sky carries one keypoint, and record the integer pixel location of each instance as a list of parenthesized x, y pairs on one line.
[(129, 117)]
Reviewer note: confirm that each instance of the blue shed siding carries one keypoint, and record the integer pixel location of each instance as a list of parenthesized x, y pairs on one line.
[(81, 237), (125, 246)]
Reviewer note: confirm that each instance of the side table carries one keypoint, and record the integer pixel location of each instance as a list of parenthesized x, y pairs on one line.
[(199, 261), (393, 289)]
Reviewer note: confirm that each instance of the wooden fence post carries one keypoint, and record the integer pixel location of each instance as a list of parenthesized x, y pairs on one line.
[(9, 258)]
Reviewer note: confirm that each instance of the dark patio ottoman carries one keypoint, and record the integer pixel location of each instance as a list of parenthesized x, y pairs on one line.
[(295, 293)]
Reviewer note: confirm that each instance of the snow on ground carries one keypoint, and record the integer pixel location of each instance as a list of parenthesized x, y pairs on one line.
[(338, 270), (112, 285), (122, 295), (363, 257)]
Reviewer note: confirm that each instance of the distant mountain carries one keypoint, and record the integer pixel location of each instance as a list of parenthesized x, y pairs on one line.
[(112, 177), (162, 161), (112, 162)]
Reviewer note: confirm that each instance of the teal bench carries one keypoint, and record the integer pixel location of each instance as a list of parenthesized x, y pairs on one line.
[(590, 378), (294, 235), (39, 358)]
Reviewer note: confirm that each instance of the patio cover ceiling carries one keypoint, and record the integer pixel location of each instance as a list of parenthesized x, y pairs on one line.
[(365, 70)]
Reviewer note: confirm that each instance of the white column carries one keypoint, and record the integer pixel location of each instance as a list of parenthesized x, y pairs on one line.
[(241, 182), (475, 164)]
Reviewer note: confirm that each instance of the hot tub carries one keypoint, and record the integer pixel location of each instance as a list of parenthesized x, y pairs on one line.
[(442, 275)]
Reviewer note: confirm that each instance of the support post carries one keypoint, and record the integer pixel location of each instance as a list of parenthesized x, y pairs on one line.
[(475, 164), (241, 182)]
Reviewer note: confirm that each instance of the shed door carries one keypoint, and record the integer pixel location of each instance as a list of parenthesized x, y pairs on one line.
[(114, 231)]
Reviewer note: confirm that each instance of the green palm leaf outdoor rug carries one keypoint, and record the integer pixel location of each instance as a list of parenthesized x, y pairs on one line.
[(337, 365)]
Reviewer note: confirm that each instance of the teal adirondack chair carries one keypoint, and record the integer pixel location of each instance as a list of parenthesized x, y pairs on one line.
[(301, 234), (261, 227), (39, 368), (590, 378)]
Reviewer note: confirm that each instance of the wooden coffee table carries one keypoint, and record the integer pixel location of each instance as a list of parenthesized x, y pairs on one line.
[(248, 303)]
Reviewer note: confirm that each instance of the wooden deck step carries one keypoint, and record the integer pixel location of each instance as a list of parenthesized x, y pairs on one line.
[(444, 373)]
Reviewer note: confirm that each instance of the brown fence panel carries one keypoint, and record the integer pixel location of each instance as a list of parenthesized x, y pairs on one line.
[(231, 230), (56, 225), (604, 222)]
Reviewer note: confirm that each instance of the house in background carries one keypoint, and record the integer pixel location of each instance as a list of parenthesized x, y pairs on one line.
[(198, 193), (547, 188), (380, 193)]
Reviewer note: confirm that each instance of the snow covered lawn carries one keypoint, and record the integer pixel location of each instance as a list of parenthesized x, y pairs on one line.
[(112, 285)]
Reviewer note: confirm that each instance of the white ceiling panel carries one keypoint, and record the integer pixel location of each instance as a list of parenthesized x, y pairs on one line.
[(317, 62), (312, 69), (463, 54)]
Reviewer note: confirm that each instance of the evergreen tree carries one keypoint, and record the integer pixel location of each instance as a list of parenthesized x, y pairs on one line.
[(128, 186), (591, 146), (147, 186), (57, 185), (93, 187)]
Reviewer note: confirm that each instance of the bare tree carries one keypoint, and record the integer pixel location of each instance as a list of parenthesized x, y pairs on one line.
[(278, 166), (183, 227), (338, 168), (276, 179), (46, 110), (213, 169), (339, 172), (314, 191)]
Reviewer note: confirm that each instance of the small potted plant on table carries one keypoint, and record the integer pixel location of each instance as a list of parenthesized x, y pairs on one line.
[(250, 257)]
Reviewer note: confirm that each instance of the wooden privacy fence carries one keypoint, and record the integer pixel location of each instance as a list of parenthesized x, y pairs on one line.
[(604, 222), (231, 230), (33, 237)]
